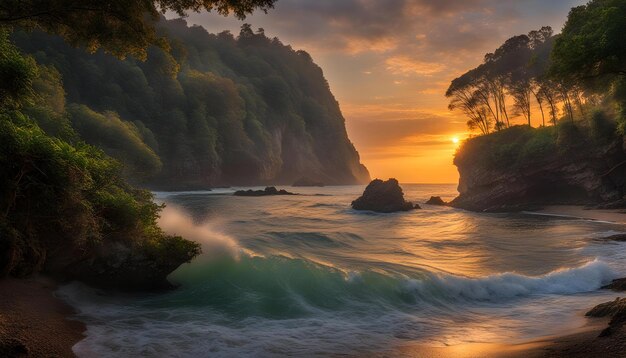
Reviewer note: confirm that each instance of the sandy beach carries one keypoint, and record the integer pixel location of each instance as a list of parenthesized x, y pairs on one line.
[(33, 322)]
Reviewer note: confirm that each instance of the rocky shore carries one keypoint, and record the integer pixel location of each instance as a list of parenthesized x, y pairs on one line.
[(509, 171)]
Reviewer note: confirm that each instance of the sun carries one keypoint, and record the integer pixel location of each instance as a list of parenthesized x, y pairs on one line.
[(455, 140)]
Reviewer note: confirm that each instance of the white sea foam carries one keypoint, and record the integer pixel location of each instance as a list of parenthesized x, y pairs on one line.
[(586, 278)]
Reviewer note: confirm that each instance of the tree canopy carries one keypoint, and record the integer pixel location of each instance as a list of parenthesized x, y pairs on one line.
[(592, 41), (215, 109), (120, 27)]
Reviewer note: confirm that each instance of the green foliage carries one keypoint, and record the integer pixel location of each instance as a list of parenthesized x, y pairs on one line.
[(569, 136), (509, 149), (602, 127), (592, 41), (541, 145), (119, 27), (119, 139), (217, 110), (16, 74), (62, 203)]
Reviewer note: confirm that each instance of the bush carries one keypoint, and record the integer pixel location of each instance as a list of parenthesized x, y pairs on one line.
[(541, 145), (602, 128)]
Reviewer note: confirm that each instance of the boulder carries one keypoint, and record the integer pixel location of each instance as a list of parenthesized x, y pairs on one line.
[(617, 285), (616, 310), (436, 200), (270, 190), (383, 197)]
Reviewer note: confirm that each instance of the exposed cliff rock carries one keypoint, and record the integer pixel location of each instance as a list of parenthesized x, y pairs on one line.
[(522, 168), (383, 197)]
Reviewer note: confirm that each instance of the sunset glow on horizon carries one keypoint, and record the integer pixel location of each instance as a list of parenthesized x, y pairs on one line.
[(389, 65)]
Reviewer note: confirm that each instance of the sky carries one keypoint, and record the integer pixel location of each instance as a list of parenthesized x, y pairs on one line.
[(389, 63)]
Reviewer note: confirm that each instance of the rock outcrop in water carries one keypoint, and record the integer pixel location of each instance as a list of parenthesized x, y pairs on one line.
[(523, 168), (616, 285), (616, 310), (383, 197), (268, 191), (436, 200)]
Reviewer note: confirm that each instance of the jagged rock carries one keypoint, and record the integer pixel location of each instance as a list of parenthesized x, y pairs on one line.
[(581, 174), (270, 190), (303, 182), (615, 309), (436, 200), (383, 197), (617, 285), (119, 266)]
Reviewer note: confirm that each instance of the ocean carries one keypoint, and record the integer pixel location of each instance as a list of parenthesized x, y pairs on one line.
[(308, 276)]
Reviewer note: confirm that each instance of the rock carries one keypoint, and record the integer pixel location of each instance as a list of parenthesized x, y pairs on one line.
[(615, 309), (580, 175), (383, 197), (436, 200), (617, 285), (303, 182), (617, 237), (270, 190), (118, 266)]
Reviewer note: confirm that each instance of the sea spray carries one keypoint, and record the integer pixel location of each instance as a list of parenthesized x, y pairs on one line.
[(270, 305), (307, 276), (175, 221)]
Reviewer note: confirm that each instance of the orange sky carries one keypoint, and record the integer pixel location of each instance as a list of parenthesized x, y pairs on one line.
[(389, 63)]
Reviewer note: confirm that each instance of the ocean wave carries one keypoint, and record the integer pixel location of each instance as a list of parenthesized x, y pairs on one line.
[(278, 305), (282, 287), (588, 277)]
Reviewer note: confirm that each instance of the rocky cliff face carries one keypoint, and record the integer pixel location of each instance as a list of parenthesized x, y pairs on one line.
[(511, 172)]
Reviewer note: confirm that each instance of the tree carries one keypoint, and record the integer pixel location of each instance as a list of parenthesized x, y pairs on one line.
[(120, 27), (514, 72), (592, 44)]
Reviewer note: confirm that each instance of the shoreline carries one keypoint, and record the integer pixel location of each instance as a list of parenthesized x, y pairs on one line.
[(580, 343), (34, 322), (617, 216)]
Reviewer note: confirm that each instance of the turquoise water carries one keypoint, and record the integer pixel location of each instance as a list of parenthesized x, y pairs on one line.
[(307, 275)]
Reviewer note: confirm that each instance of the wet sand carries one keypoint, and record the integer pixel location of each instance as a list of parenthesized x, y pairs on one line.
[(583, 343), (33, 322), (609, 215)]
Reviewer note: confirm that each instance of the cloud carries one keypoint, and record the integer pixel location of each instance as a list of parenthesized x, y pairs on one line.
[(389, 62), (404, 65)]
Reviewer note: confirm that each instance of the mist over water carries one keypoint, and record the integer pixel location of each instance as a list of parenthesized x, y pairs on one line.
[(305, 275)]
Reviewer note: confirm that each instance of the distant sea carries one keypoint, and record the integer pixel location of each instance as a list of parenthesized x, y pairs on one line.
[(307, 275)]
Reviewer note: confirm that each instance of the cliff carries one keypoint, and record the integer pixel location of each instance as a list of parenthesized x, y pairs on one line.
[(211, 110), (523, 168)]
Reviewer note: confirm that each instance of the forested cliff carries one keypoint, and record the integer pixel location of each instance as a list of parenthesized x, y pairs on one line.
[(551, 112), (211, 110)]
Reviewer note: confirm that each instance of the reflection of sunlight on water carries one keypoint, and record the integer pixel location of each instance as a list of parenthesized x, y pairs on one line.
[(348, 280)]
